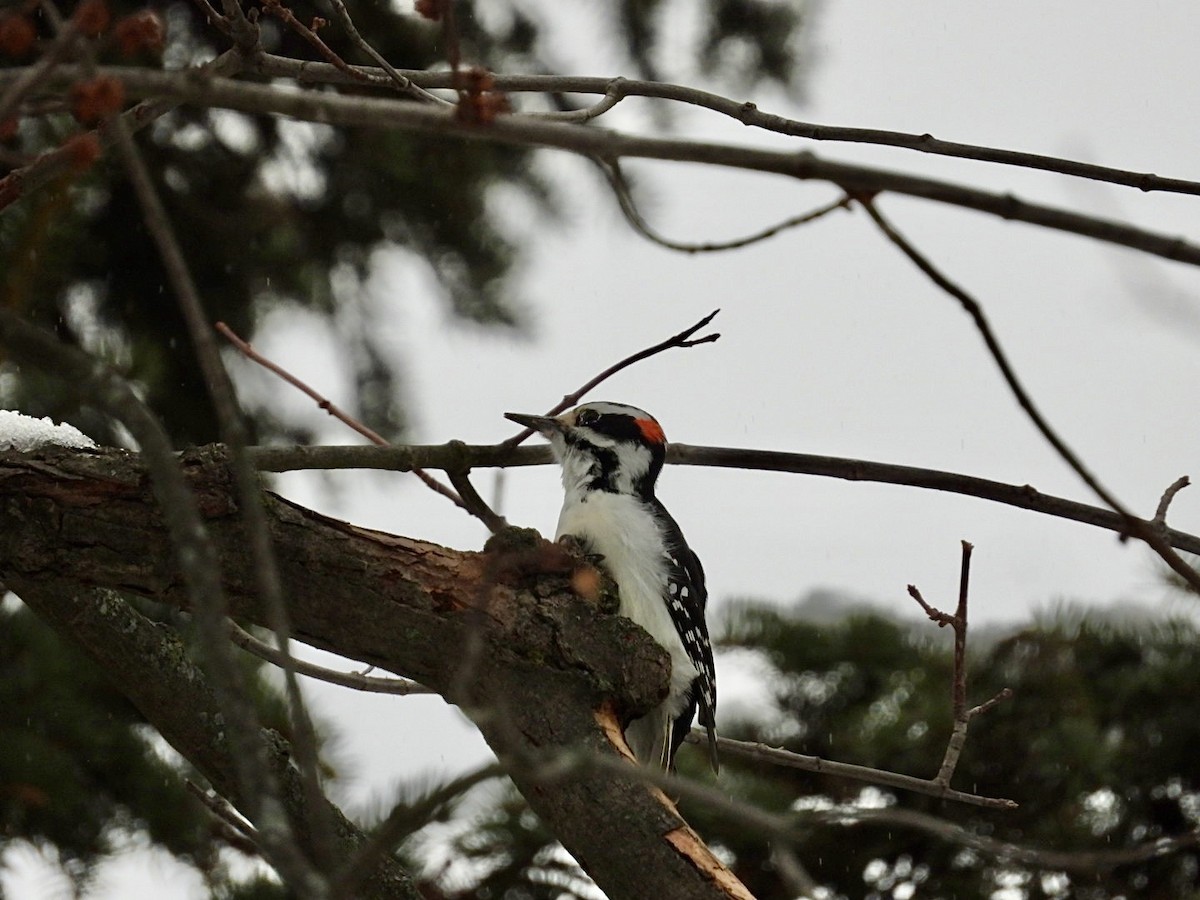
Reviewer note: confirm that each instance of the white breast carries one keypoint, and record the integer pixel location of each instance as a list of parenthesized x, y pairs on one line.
[(622, 529)]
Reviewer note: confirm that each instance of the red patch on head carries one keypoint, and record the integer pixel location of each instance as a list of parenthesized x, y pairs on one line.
[(651, 431)]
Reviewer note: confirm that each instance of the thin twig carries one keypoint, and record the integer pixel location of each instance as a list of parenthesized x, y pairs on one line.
[(611, 98), (355, 681), (479, 508), (1160, 514), (233, 431), (961, 715), (1078, 861), (616, 179), (682, 339), (285, 15), (759, 752), (214, 18), (247, 350), (402, 82), (245, 834), (1134, 525)]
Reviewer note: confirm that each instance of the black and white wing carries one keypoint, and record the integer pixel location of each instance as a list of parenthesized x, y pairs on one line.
[(686, 599)]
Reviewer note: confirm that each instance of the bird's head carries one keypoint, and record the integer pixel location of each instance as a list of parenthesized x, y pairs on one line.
[(604, 446)]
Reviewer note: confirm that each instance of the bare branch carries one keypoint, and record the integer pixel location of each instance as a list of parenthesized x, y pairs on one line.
[(244, 835), (749, 114), (620, 186), (1134, 525), (194, 553), (682, 339), (455, 456), (477, 506), (247, 350), (759, 752), (402, 82), (358, 682), (1160, 514), (285, 15), (934, 614), (961, 715)]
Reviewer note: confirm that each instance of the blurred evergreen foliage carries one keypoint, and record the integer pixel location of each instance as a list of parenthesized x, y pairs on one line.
[(1098, 746), (273, 211)]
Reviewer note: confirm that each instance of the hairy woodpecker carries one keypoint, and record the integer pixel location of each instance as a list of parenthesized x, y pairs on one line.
[(611, 455)]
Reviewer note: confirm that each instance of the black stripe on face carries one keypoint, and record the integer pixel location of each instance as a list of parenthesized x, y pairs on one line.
[(604, 463)]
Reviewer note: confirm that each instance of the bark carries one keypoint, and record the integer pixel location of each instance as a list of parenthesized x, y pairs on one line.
[(538, 668)]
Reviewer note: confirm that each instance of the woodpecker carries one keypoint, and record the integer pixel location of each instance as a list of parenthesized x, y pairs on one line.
[(611, 455)]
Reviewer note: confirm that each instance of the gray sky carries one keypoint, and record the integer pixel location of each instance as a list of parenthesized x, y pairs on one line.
[(833, 343)]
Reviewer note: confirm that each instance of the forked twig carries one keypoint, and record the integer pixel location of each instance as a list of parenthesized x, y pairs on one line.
[(682, 339), (403, 83), (285, 15), (961, 715)]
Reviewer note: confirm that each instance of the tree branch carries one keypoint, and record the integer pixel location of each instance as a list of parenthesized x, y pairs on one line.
[(682, 339), (754, 751), (1080, 861), (455, 455), (400, 686), (620, 187), (961, 715), (1135, 526), (186, 543)]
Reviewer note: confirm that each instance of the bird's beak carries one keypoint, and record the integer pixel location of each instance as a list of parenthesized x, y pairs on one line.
[(546, 425)]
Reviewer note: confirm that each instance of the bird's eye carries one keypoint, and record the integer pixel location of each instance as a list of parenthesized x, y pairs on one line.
[(587, 417)]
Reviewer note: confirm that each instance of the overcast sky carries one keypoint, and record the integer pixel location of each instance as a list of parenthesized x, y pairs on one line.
[(832, 343)]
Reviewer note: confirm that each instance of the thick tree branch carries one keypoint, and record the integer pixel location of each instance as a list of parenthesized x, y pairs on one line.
[(563, 675)]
